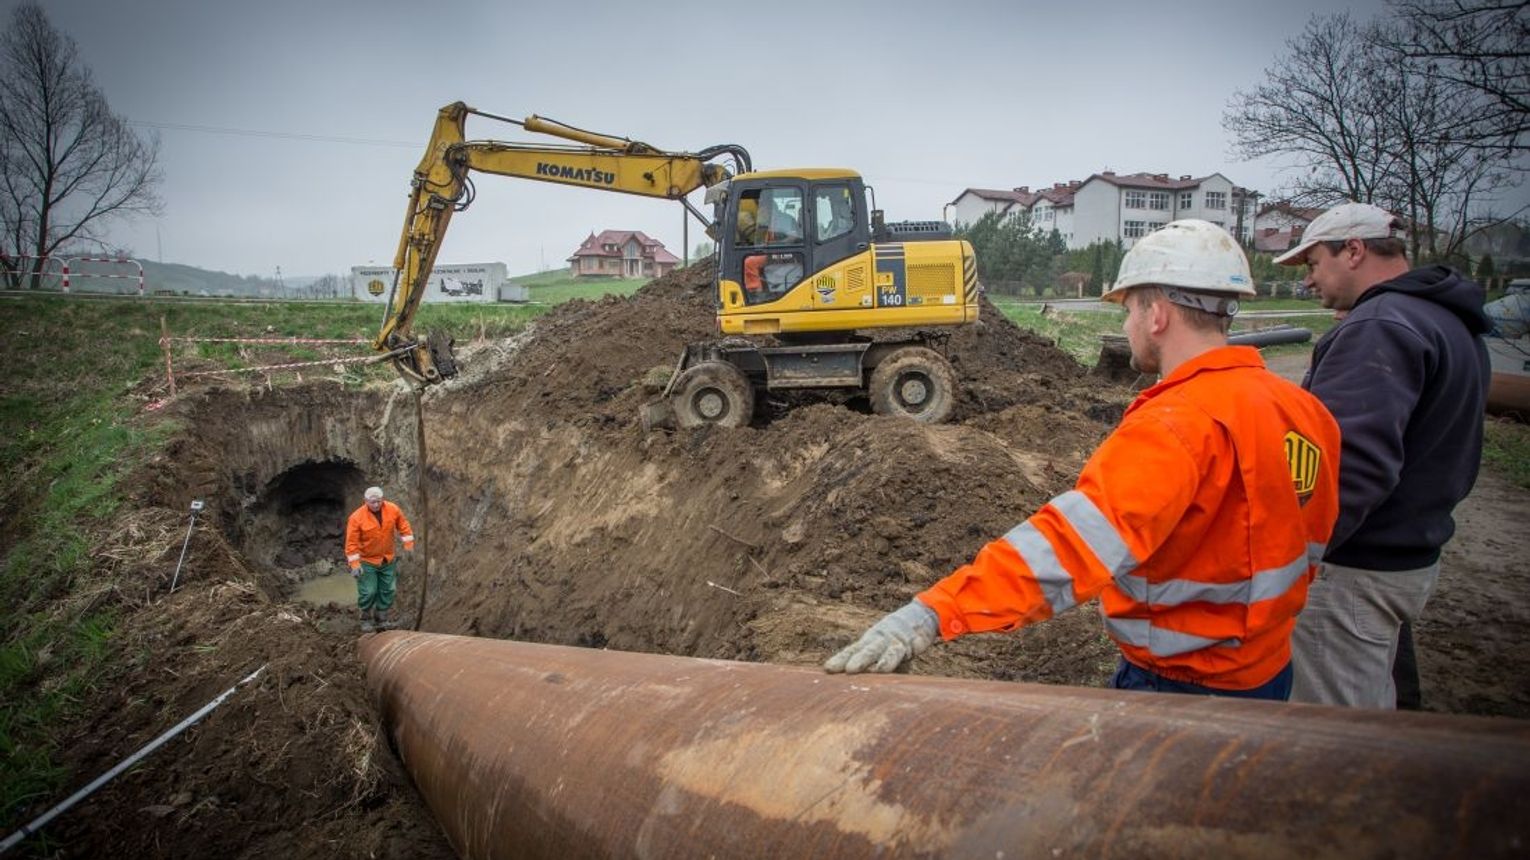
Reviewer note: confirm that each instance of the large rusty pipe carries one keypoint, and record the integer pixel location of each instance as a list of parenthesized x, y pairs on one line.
[(528, 750)]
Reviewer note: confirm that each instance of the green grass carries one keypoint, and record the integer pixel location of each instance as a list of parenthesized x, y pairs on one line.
[(1075, 332), (1078, 332), (557, 286), (1506, 450)]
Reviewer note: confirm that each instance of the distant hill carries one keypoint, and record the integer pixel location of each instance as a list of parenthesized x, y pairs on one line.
[(176, 279)]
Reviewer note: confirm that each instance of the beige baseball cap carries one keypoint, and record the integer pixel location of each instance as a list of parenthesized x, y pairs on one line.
[(1342, 223)]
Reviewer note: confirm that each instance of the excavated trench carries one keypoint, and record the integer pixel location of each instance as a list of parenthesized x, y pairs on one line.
[(554, 518)]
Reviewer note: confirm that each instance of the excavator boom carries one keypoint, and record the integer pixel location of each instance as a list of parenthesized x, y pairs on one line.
[(441, 187)]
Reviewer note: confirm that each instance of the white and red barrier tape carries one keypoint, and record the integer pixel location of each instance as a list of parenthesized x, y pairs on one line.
[(288, 366), (269, 340)]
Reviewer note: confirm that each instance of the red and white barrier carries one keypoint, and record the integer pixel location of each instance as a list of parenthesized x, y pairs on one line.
[(116, 260), (41, 269)]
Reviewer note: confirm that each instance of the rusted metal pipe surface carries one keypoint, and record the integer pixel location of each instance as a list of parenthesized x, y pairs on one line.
[(528, 750)]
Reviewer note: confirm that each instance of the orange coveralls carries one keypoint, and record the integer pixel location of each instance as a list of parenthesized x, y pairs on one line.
[(370, 541), (1199, 523)]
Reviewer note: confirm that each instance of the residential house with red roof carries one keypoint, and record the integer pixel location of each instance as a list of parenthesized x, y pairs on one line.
[(1112, 207), (621, 254), (1279, 226), (972, 204)]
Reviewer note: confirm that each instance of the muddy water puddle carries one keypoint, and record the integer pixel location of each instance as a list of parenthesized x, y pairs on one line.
[(334, 588)]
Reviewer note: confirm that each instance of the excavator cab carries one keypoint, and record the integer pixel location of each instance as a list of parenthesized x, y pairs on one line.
[(803, 252), (779, 226)]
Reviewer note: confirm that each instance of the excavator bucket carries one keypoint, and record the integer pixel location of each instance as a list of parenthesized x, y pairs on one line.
[(657, 415), (525, 750)]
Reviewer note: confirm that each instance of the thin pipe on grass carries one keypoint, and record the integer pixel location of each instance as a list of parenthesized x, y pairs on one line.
[(42, 820)]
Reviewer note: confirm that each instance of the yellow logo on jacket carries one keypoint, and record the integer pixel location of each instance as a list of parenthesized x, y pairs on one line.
[(1302, 456)]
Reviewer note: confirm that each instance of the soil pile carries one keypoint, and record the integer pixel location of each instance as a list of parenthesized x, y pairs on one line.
[(563, 522)]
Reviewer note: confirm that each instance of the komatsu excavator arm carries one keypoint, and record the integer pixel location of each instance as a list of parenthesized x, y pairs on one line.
[(442, 186)]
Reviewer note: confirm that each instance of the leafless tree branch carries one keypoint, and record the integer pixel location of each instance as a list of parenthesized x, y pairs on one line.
[(68, 165)]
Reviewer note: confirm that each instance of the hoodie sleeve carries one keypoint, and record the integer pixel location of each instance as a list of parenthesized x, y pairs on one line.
[(1370, 378)]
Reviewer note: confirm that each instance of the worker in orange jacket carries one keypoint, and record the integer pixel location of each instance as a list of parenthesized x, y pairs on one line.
[(1198, 523), (370, 537)]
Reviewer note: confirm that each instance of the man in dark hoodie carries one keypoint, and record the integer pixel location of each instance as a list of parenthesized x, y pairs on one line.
[(1406, 375)]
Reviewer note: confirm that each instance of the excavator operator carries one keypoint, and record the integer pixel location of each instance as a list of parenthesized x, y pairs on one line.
[(764, 220), (1198, 523)]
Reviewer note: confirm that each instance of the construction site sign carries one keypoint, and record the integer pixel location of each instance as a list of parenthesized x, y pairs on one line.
[(454, 282)]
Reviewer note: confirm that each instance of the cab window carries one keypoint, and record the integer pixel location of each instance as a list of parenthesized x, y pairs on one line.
[(833, 214)]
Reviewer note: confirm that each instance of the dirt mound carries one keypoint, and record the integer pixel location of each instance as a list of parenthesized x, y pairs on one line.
[(584, 361), (572, 526)]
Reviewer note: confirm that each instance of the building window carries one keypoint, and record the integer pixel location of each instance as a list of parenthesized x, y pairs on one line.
[(1158, 200), (1218, 223), (1134, 229), (1216, 200), (1186, 199), (1157, 225), (1136, 200)]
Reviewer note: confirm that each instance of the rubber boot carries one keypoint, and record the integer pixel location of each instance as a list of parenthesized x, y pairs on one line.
[(367, 626), (385, 620)]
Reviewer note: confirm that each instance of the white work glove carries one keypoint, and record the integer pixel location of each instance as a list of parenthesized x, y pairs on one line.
[(900, 636)]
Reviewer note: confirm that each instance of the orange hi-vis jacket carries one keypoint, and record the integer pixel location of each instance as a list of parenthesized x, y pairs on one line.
[(368, 540), (1199, 523)]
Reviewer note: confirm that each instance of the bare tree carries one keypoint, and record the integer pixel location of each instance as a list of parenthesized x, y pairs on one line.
[(68, 166), (1357, 120), (1314, 109), (1482, 45)]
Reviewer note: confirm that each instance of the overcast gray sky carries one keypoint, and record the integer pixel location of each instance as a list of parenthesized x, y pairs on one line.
[(923, 98)]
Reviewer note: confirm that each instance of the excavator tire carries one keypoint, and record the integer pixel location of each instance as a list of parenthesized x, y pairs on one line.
[(914, 382), (713, 392)]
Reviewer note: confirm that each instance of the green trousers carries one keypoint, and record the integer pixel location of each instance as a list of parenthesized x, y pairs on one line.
[(375, 585)]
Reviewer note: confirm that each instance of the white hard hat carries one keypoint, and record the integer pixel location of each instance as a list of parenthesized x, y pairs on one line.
[(1191, 255), (373, 493)]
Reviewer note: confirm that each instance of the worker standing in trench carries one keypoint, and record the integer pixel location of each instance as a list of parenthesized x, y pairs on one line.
[(371, 535), (1199, 522)]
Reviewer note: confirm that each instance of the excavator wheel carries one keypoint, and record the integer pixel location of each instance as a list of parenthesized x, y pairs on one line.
[(914, 382), (713, 392)]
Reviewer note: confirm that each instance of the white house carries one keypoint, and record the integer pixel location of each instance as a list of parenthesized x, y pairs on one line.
[(1278, 227), (1112, 207), (973, 203)]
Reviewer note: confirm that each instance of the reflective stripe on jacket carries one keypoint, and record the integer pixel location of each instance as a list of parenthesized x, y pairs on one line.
[(370, 541), (1199, 524)]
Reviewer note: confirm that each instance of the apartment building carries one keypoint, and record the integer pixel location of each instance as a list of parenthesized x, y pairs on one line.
[(1111, 207)]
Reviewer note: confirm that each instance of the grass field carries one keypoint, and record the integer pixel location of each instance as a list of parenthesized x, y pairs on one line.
[(1077, 332), (557, 286)]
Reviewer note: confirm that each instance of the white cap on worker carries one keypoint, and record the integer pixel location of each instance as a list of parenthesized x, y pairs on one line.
[(373, 493), (1340, 224)]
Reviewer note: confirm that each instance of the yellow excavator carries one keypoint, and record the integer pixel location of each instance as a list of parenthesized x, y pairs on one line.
[(805, 265)]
